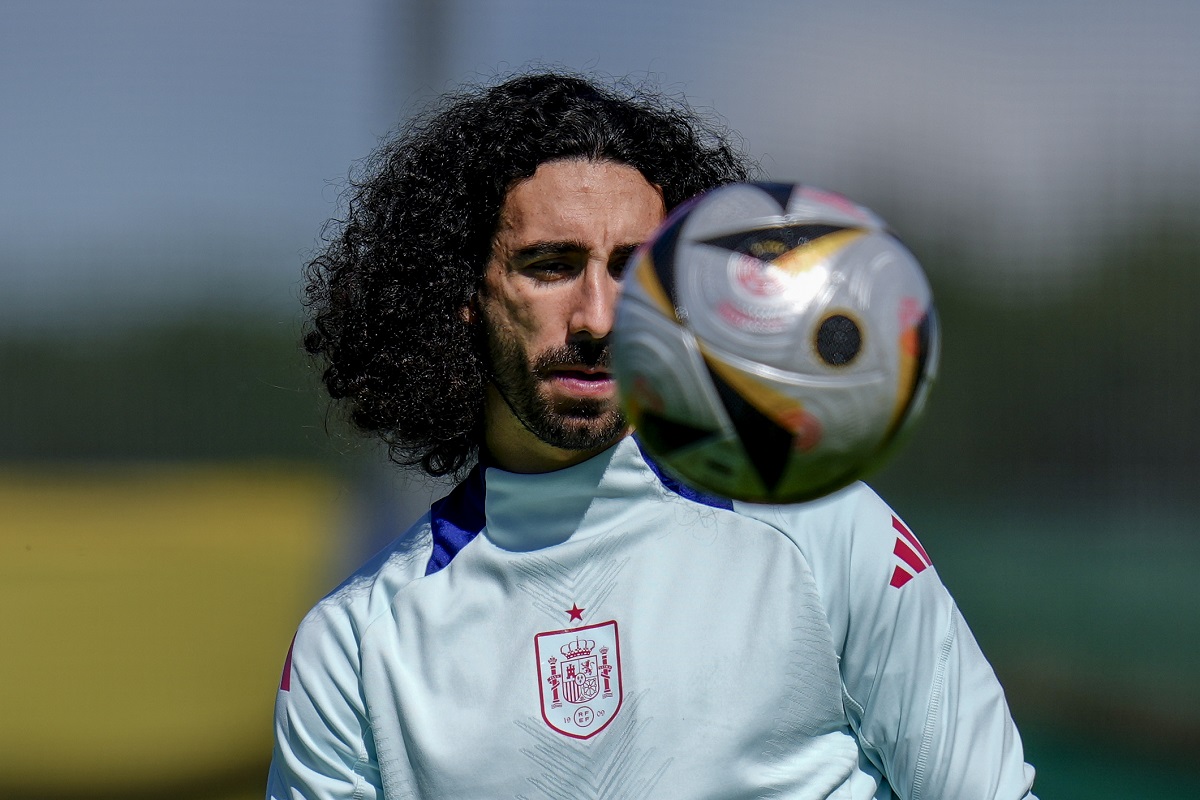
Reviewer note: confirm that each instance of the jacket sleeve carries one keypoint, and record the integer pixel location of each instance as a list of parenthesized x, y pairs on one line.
[(924, 702), (323, 744)]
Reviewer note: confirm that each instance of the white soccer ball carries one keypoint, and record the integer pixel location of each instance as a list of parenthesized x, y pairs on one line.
[(773, 341)]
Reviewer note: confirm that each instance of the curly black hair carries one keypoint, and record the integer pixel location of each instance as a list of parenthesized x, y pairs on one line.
[(387, 293)]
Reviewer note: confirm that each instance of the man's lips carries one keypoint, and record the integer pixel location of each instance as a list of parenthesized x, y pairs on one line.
[(583, 381)]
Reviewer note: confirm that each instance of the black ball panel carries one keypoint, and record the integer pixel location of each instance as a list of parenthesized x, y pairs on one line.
[(838, 340)]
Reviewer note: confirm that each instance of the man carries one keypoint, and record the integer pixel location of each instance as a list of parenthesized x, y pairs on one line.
[(568, 622)]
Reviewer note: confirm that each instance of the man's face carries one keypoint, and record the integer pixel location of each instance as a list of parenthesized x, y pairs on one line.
[(547, 305)]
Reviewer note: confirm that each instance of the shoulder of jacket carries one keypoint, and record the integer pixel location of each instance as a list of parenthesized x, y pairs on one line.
[(847, 538), (827, 523), (369, 591)]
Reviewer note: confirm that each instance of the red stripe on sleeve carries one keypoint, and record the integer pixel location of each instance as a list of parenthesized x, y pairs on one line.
[(285, 683), (900, 577), (909, 557), (907, 534)]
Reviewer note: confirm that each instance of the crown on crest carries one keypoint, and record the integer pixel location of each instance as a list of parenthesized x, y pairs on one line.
[(577, 648)]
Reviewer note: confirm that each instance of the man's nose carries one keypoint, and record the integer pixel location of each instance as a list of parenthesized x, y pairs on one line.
[(595, 305)]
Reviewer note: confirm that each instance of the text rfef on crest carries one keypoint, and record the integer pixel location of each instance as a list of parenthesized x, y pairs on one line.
[(579, 678)]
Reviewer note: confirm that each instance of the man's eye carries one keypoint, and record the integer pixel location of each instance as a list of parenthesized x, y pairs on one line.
[(618, 263), (550, 269)]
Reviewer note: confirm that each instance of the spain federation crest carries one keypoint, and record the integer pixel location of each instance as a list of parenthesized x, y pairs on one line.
[(579, 678)]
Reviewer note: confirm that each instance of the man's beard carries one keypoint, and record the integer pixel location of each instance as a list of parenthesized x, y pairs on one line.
[(574, 424)]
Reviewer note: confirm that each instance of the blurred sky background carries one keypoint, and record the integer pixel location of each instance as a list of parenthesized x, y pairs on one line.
[(159, 152), (166, 168)]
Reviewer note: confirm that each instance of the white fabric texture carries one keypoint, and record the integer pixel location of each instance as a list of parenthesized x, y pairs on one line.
[(698, 652)]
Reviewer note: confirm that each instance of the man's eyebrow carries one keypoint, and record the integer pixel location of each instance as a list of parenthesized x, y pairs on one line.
[(548, 248), (536, 250), (623, 252)]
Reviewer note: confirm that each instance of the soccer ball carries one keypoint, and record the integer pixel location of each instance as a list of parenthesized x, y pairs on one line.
[(772, 342)]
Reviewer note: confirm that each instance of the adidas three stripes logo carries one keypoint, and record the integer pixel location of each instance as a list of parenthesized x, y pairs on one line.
[(912, 555)]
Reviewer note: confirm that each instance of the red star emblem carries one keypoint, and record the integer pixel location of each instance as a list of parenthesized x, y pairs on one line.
[(576, 612)]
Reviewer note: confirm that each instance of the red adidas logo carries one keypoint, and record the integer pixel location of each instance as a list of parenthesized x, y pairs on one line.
[(908, 550)]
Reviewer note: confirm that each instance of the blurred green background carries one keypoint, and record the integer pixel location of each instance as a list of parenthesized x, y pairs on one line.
[(174, 496)]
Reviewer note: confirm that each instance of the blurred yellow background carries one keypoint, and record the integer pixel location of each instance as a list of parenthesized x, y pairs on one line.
[(146, 611)]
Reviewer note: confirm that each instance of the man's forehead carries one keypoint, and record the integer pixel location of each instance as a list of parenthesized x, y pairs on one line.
[(578, 200)]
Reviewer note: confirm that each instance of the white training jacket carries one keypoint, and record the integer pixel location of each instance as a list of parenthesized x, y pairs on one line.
[(602, 632)]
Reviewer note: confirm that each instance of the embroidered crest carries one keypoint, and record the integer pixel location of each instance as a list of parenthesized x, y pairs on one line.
[(579, 678)]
